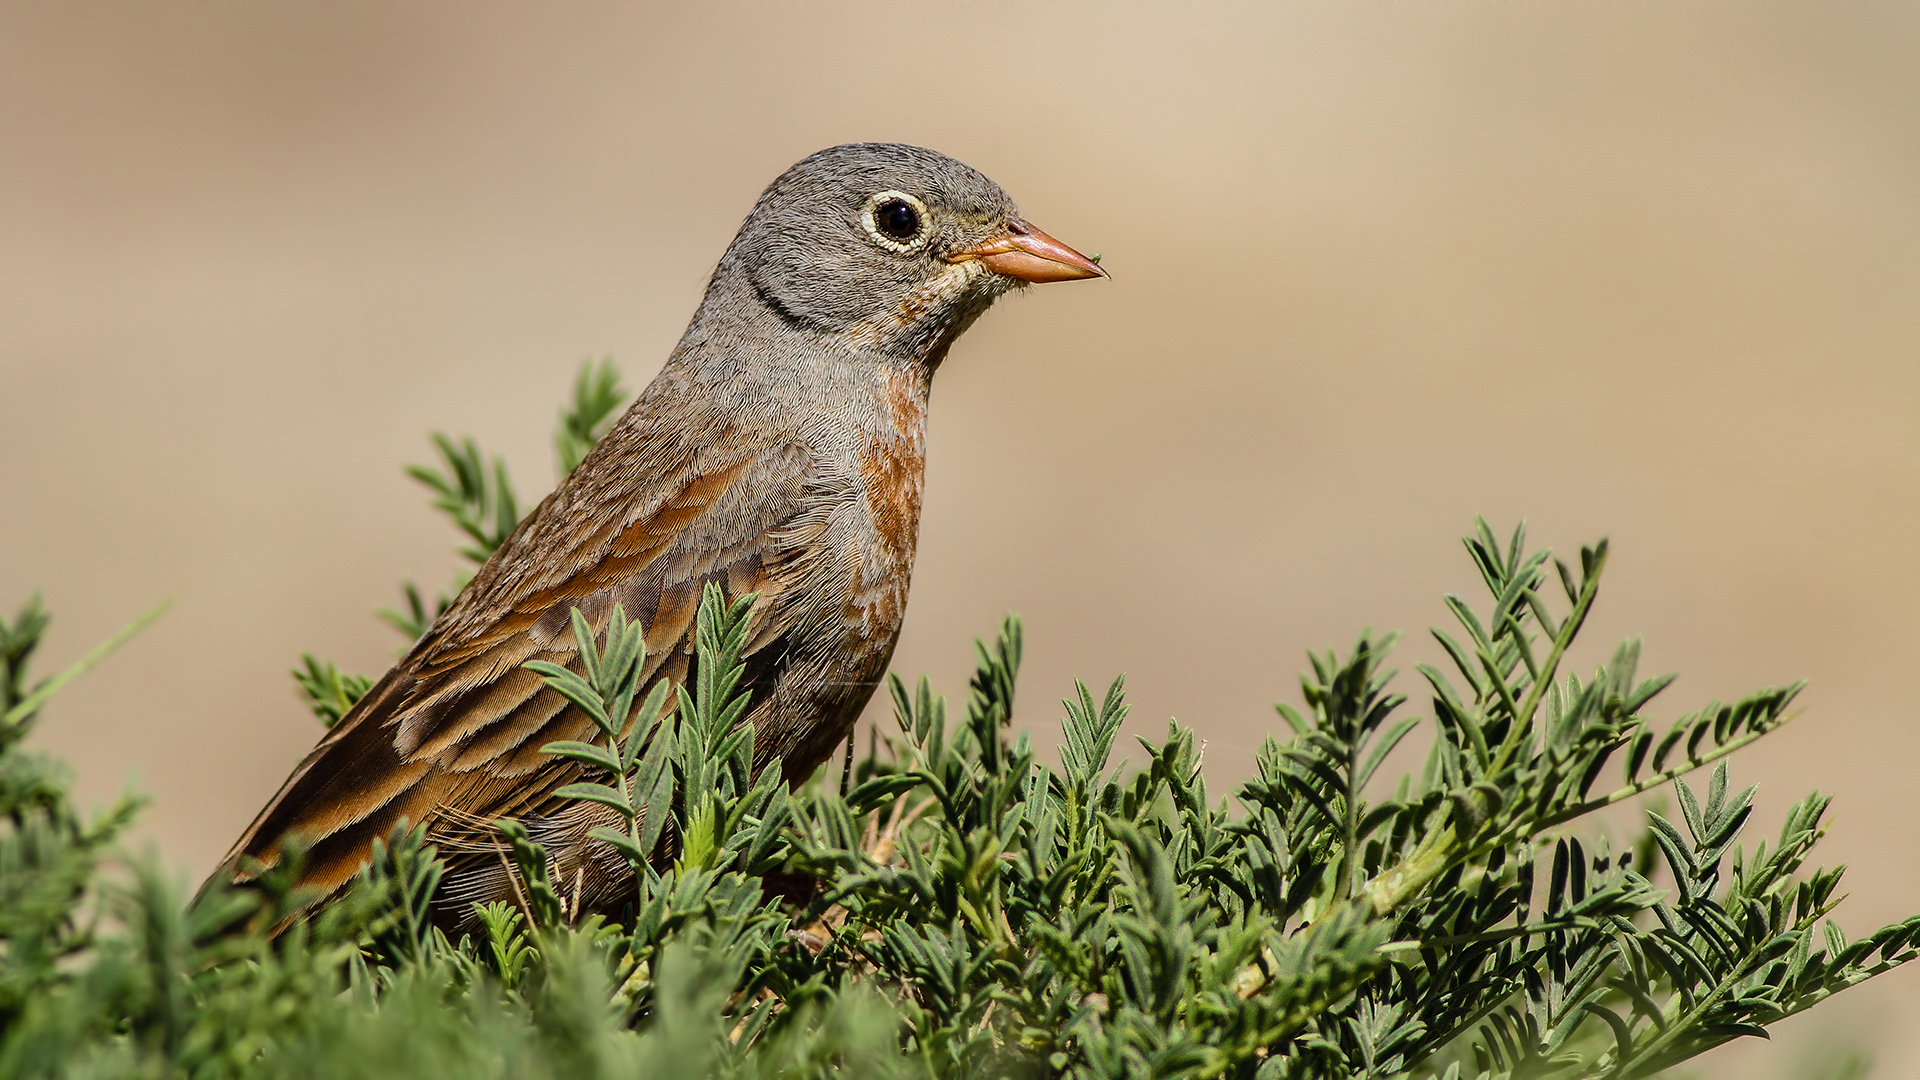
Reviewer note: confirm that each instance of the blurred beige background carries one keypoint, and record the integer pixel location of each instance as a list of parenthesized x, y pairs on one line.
[(1648, 270)]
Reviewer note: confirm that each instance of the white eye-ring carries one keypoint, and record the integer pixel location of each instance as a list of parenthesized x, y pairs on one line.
[(897, 221)]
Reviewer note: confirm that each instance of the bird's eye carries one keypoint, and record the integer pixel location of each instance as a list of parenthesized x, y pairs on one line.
[(896, 220)]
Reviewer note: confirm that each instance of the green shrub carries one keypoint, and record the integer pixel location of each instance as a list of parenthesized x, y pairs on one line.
[(975, 911)]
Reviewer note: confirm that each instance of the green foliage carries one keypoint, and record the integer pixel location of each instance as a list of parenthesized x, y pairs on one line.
[(17, 642), (327, 691), (475, 493), (960, 907), (597, 398), (477, 496)]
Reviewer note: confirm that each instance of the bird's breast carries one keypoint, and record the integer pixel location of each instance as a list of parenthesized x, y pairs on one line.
[(893, 472)]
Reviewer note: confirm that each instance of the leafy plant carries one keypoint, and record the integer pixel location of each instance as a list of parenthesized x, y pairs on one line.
[(957, 906), (326, 690), (597, 397)]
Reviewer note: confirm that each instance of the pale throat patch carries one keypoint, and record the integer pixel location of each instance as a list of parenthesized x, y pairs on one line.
[(937, 293)]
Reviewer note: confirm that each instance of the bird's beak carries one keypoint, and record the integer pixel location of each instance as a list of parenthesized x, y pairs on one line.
[(1026, 253)]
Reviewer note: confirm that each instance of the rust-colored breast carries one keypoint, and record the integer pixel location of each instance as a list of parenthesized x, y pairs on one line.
[(893, 473), (893, 464)]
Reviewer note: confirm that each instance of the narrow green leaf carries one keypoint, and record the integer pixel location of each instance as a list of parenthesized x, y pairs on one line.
[(584, 753), (597, 793)]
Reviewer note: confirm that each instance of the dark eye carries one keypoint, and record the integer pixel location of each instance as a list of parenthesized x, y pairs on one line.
[(898, 219)]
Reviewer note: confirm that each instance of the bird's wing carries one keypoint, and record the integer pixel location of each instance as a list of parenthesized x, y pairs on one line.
[(453, 734)]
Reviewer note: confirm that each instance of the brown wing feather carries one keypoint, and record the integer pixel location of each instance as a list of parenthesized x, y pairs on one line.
[(451, 737)]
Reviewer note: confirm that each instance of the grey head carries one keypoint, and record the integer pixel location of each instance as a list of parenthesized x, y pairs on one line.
[(881, 248)]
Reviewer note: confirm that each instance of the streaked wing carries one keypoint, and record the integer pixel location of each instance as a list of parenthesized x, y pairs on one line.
[(451, 737)]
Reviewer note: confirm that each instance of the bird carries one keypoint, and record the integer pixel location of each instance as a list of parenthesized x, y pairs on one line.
[(779, 452)]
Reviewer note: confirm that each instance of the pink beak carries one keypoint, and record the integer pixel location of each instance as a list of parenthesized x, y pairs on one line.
[(1030, 255)]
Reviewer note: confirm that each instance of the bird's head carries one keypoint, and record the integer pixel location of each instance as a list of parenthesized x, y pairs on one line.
[(889, 247)]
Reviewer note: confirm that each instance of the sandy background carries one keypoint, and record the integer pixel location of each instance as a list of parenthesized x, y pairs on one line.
[(1648, 270)]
